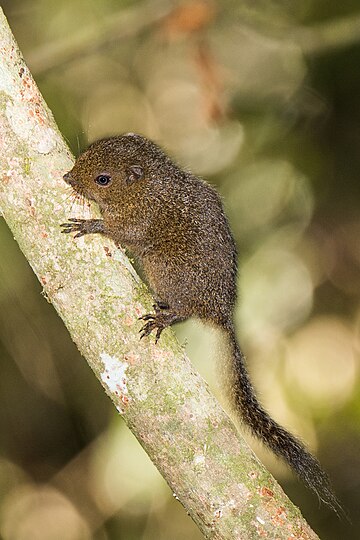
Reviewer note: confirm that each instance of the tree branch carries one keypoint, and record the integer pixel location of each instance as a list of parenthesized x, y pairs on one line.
[(327, 36), (95, 290)]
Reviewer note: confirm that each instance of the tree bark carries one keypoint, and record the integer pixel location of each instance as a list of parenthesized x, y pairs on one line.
[(97, 293)]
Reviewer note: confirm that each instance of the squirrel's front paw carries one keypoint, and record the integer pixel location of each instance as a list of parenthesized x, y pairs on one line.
[(78, 226)]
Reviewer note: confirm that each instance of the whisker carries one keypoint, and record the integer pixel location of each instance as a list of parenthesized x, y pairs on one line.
[(79, 204), (78, 143)]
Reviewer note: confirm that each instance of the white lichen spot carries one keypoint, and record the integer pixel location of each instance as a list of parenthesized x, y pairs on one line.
[(6, 81), (47, 141), (199, 459), (245, 492), (114, 377), (260, 520)]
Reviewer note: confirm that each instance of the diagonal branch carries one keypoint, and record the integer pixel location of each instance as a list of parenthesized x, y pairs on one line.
[(330, 35), (95, 290)]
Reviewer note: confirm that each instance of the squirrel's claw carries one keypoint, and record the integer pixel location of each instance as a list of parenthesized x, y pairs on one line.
[(74, 225)]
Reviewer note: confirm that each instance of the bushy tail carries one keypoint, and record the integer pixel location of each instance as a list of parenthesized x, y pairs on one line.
[(280, 441)]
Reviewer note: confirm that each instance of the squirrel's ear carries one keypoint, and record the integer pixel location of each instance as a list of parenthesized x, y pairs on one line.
[(134, 173)]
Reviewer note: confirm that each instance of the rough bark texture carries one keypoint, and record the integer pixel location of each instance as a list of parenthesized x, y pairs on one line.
[(95, 290)]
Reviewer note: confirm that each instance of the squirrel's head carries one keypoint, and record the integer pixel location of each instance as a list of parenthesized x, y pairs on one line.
[(115, 169)]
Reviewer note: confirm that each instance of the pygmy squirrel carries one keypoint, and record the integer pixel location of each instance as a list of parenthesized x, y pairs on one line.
[(174, 224)]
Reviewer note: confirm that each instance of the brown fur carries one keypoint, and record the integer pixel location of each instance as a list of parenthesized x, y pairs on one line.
[(174, 223)]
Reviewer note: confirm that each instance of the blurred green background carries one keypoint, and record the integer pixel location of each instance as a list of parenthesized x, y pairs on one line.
[(263, 99)]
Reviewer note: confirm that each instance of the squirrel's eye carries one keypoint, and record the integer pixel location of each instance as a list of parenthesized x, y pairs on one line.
[(103, 180)]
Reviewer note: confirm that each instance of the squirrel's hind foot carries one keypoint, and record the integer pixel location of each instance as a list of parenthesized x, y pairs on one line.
[(159, 320)]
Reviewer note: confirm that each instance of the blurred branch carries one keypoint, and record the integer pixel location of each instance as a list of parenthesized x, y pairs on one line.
[(95, 290), (116, 26), (126, 23), (329, 35), (314, 39)]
